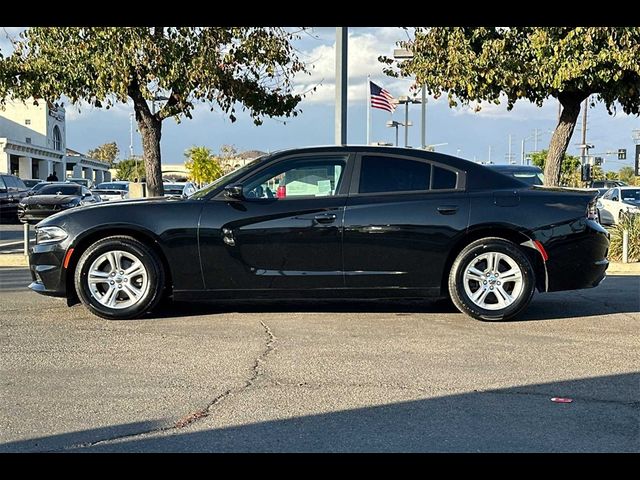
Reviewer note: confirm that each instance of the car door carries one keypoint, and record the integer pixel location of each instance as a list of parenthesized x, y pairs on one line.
[(402, 217), (284, 233)]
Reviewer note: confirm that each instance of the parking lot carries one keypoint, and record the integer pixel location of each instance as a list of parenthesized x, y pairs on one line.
[(336, 376)]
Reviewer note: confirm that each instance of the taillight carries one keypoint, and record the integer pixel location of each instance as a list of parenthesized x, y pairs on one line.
[(592, 210)]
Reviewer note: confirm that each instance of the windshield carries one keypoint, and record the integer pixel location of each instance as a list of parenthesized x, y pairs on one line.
[(173, 189), (62, 189), (113, 186), (228, 178), (632, 195)]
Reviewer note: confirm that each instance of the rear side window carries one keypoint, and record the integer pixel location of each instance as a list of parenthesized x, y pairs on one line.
[(443, 179), (13, 182), (3, 186), (384, 174)]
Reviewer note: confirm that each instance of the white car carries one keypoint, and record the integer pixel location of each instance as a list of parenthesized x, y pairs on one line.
[(179, 188), (112, 190), (617, 202)]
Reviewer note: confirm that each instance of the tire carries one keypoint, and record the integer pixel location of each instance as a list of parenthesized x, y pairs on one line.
[(491, 305), (116, 294)]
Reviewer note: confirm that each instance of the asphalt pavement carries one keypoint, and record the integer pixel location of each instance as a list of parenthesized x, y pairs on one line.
[(321, 376)]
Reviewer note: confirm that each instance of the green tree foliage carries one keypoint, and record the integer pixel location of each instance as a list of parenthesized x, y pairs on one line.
[(474, 64), (597, 173), (220, 66), (107, 152), (626, 174), (571, 173), (611, 176), (130, 169), (202, 166)]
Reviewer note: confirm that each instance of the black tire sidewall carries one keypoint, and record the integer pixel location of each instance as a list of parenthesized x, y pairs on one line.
[(148, 259), (475, 249)]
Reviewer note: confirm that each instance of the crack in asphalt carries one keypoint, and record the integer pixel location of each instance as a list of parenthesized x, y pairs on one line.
[(189, 419)]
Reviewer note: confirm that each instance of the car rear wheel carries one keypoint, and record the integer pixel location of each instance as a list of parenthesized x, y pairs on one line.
[(492, 280), (119, 278)]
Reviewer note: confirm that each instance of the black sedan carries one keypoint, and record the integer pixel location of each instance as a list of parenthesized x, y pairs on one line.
[(346, 222), (53, 198)]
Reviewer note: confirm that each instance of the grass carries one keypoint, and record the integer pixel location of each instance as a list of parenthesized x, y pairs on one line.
[(632, 224)]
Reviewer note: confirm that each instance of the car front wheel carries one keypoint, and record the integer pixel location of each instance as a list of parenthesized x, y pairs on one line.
[(119, 278), (491, 279)]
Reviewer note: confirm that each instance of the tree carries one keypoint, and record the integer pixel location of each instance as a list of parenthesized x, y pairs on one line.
[(571, 173), (107, 152), (474, 64), (222, 66), (130, 169), (597, 173), (627, 174), (201, 165), (611, 176)]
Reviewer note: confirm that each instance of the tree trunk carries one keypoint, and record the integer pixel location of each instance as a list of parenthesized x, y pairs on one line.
[(561, 137), (150, 128)]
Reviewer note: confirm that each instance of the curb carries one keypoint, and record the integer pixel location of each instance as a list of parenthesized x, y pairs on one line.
[(19, 260)]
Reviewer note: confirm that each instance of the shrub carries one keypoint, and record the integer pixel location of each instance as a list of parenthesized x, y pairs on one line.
[(631, 223)]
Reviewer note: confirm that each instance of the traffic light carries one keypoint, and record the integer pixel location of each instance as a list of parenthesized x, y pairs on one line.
[(597, 161), (586, 173), (622, 154)]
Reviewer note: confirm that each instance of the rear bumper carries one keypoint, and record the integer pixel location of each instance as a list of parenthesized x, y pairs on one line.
[(45, 265), (578, 259)]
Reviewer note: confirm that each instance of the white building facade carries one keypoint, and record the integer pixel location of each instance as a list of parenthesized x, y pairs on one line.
[(33, 144)]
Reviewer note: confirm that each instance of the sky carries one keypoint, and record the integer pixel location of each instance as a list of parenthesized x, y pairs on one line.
[(457, 131)]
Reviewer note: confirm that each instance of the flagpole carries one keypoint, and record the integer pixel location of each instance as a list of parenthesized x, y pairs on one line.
[(368, 110)]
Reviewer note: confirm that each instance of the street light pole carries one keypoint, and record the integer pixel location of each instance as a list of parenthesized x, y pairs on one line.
[(406, 124), (341, 86), (423, 123)]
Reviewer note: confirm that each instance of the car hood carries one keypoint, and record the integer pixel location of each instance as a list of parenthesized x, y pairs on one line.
[(108, 191), (48, 199)]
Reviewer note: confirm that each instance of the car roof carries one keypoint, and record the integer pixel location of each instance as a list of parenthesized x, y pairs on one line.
[(478, 177)]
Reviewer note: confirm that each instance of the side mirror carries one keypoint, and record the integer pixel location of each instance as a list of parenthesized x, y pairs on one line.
[(85, 195), (31, 193), (235, 190)]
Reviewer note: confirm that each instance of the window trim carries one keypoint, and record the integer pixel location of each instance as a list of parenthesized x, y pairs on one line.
[(354, 187), (343, 191)]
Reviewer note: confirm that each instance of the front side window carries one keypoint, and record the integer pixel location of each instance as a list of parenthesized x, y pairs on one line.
[(388, 174), (309, 177)]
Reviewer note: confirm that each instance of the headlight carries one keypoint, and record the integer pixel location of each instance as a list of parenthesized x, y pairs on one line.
[(50, 235), (599, 205), (72, 203)]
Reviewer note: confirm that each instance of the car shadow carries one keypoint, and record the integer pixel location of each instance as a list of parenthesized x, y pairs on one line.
[(618, 294), (602, 417)]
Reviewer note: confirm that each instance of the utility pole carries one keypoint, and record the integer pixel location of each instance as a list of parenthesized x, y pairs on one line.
[(509, 156), (535, 139), (424, 117), (131, 136), (522, 153), (406, 124), (583, 148), (341, 86)]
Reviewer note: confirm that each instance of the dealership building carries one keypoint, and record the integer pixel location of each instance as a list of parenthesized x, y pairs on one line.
[(33, 144)]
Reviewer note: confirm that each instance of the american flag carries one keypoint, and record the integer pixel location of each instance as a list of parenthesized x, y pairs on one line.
[(380, 98)]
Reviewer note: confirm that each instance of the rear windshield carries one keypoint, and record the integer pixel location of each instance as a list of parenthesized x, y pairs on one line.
[(60, 189), (113, 186)]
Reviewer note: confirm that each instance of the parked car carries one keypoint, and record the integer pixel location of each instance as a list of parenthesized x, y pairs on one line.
[(53, 198), (30, 182), (531, 175), (603, 186), (327, 222), (39, 186), (12, 190), (112, 190), (179, 188), (617, 202), (85, 182)]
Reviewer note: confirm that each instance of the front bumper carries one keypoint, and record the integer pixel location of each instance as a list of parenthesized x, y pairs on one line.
[(47, 273)]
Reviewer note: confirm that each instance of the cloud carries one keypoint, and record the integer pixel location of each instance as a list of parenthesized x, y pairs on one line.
[(364, 47)]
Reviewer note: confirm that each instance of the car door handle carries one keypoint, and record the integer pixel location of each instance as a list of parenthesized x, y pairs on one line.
[(447, 209), (325, 218)]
